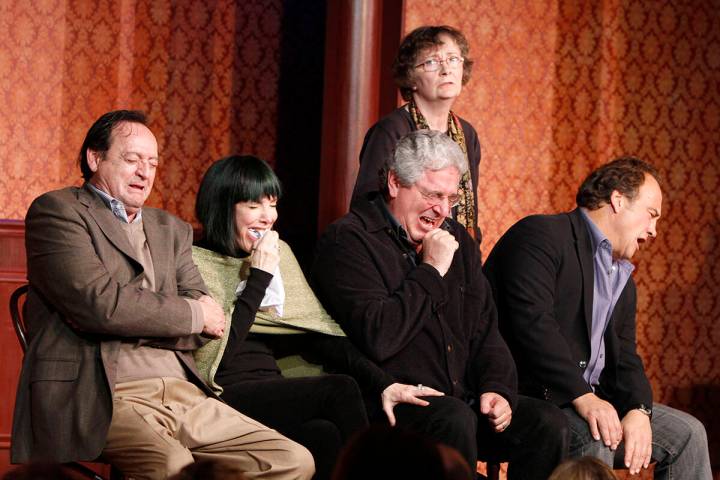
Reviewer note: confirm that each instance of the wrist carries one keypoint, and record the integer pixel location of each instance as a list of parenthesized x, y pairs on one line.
[(643, 408)]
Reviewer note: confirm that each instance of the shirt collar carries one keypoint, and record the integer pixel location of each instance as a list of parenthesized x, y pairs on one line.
[(115, 205), (601, 245), (394, 224)]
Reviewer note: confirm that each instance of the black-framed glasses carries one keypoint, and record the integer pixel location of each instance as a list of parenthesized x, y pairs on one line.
[(433, 64), (437, 198)]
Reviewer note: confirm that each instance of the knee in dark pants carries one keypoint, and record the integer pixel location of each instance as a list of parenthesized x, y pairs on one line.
[(324, 441), (457, 419), (541, 433), (341, 385), (447, 420), (554, 423)]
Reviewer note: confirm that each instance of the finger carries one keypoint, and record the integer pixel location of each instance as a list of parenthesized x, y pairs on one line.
[(636, 461), (486, 404), (502, 426), (412, 399), (429, 392), (648, 456), (497, 422), (629, 452), (390, 415), (503, 418), (606, 432), (618, 432), (592, 422), (432, 234), (500, 408)]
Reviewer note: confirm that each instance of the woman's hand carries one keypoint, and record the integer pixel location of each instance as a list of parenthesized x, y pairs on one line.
[(402, 393), (266, 253)]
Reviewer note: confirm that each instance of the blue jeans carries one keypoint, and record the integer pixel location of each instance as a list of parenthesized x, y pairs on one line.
[(679, 444)]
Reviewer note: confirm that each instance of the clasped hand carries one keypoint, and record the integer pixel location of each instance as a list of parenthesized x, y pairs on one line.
[(605, 425), (438, 249)]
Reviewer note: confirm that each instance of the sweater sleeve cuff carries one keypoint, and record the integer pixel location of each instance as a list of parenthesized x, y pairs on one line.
[(198, 319), (431, 281), (257, 284)]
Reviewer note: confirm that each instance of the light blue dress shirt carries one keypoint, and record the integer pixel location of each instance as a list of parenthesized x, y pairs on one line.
[(610, 277)]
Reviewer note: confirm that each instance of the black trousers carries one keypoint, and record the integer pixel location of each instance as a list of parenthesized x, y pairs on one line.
[(534, 443), (321, 413)]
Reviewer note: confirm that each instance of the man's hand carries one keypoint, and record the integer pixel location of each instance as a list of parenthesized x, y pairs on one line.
[(402, 393), (601, 418), (638, 440), (438, 249), (497, 409), (266, 253), (213, 316)]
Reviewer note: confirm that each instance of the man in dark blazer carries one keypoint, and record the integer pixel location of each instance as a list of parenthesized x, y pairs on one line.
[(405, 283), (114, 310), (566, 304)]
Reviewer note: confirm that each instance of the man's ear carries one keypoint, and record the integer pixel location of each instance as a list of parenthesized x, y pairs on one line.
[(93, 159), (617, 201), (393, 184)]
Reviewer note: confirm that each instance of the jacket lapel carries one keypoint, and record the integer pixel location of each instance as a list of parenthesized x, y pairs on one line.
[(583, 247), (107, 222)]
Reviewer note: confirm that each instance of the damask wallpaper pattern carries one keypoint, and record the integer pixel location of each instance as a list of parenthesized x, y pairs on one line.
[(561, 87), (205, 72)]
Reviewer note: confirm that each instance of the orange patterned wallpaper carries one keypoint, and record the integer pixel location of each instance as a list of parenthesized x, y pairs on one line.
[(206, 73), (561, 87)]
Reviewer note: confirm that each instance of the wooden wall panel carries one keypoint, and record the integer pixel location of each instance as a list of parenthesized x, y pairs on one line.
[(12, 275)]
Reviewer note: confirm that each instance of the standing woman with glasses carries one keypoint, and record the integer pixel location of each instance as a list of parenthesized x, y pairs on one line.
[(431, 67)]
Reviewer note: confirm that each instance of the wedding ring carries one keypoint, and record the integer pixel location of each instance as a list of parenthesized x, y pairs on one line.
[(420, 386)]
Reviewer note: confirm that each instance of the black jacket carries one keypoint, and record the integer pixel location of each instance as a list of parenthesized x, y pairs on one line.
[(418, 326), (542, 274)]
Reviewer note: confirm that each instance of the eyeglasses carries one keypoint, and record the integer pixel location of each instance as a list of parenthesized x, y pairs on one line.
[(436, 198), (433, 64)]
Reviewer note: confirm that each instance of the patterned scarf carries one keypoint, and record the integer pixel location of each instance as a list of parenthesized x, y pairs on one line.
[(465, 211)]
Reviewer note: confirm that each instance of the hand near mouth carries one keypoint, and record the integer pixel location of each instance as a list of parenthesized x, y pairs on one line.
[(438, 249), (266, 255)]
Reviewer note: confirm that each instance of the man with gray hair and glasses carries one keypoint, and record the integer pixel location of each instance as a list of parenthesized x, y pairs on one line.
[(405, 282)]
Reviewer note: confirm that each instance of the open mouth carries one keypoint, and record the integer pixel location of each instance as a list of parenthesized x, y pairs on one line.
[(428, 222)]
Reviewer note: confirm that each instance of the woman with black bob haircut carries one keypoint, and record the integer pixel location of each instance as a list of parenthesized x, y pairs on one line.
[(273, 314), (228, 182)]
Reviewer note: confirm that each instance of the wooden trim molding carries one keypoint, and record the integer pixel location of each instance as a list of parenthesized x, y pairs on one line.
[(12, 245)]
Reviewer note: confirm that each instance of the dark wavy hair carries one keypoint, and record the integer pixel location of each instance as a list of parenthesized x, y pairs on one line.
[(98, 137), (624, 174), (228, 181), (421, 39)]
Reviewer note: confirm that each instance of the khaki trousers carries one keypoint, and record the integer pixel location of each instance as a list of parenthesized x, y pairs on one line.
[(159, 425)]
